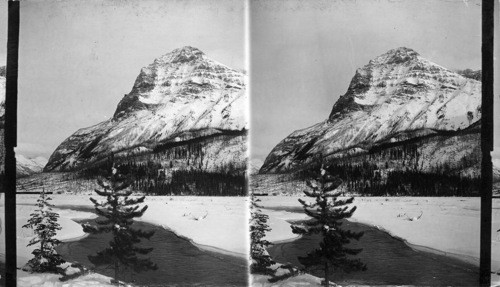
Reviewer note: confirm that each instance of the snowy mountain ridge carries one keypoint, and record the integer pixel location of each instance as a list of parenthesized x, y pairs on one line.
[(27, 166), (182, 96), (397, 96)]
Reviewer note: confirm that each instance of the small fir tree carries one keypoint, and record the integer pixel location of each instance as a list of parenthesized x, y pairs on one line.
[(44, 223), (261, 261), (327, 213), (118, 211)]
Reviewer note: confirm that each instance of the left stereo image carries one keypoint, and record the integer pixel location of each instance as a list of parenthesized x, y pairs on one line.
[(132, 144)]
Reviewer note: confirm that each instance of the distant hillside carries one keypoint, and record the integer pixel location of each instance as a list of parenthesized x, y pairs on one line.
[(28, 166)]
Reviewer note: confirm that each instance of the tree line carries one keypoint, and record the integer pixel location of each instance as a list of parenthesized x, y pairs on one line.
[(371, 179), (155, 178)]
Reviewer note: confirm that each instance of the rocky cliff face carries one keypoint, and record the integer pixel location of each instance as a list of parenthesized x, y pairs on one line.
[(398, 101), (184, 109)]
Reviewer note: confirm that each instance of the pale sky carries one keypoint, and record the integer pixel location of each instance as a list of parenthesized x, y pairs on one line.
[(304, 53), (496, 100), (77, 58), (3, 32)]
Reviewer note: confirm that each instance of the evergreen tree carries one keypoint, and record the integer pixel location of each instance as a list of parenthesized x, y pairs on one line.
[(44, 223), (118, 211), (326, 219), (261, 261)]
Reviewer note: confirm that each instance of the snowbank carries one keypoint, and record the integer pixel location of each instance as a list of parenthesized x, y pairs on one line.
[(448, 225), (26, 279), (279, 222), (70, 230), (300, 280), (495, 242), (212, 223)]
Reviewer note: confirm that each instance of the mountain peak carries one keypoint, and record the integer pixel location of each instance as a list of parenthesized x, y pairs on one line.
[(187, 49), (399, 73), (396, 56), (181, 55), (182, 74), (183, 96), (402, 50), (395, 97)]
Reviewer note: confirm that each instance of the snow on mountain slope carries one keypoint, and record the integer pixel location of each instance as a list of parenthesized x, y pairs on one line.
[(27, 166), (181, 96), (396, 96), (496, 169)]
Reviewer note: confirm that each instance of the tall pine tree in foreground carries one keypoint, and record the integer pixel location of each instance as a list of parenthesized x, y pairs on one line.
[(117, 213), (327, 213), (261, 261), (44, 223)]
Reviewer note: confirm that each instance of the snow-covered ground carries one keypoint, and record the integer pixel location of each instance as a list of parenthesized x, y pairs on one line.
[(211, 223), (215, 223), (25, 279), (70, 230), (495, 242), (449, 226), (297, 281)]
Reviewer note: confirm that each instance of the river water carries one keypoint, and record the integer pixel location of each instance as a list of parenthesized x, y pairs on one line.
[(390, 261), (180, 263)]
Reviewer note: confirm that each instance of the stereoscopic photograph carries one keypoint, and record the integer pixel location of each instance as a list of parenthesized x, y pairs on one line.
[(132, 144), (247, 143), (365, 147)]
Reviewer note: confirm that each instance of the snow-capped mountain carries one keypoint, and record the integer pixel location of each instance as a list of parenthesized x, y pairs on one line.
[(255, 165), (398, 97), (27, 166), (181, 99)]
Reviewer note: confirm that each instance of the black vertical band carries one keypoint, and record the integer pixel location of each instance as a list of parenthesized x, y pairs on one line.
[(486, 141), (11, 142)]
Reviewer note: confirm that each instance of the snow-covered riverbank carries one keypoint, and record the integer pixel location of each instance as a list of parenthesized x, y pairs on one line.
[(215, 223), (70, 230), (447, 226), (212, 223), (450, 225)]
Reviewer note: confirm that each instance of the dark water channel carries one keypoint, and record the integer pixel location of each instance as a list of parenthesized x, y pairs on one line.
[(180, 263), (389, 260)]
